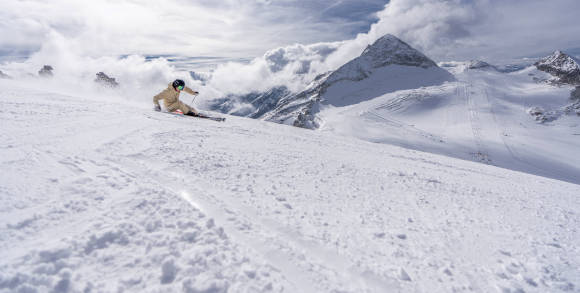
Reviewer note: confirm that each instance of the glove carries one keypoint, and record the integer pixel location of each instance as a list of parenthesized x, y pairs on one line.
[(195, 93), (157, 108)]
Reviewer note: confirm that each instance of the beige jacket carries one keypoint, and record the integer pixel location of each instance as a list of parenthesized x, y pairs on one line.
[(170, 98)]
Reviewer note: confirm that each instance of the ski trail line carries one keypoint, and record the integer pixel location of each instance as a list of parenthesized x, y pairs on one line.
[(481, 154)]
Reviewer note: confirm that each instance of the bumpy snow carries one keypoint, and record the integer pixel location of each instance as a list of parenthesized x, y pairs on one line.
[(99, 195)]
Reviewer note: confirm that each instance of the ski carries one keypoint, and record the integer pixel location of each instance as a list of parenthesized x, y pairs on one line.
[(219, 119), (179, 113)]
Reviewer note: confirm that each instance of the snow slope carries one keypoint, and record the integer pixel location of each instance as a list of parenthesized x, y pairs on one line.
[(99, 195), (483, 117)]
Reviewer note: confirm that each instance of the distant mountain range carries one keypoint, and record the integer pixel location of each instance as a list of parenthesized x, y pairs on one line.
[(524, 118), (388, 65)]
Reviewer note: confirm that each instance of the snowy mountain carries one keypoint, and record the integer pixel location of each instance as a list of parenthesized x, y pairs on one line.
[(387, 65), (99, 194), (485, 116), (562, 66), (503, 115), (255, 105)]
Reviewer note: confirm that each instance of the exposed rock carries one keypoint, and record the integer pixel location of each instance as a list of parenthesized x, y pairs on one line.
[(541, 115), (46, 71), (574, 107), (259, 103), (106, 81), (388, 50), (478, 64), (562, 66), (300, 109), (575, 94)]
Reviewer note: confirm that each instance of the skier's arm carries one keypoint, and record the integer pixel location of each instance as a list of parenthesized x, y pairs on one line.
[(156, 100), (190, 91)]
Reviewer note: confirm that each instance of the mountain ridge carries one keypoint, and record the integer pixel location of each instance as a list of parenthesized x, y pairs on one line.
[(561, 65), (387, 65)]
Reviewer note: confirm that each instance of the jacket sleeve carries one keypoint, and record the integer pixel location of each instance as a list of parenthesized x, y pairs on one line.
[(190, 91), (157, 98)]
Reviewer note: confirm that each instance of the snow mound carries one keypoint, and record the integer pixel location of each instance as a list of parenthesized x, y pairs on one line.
[(562, 66)]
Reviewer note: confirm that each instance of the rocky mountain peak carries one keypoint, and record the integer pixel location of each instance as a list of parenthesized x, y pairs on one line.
[(561, 65), (387, 65), (389, 50)]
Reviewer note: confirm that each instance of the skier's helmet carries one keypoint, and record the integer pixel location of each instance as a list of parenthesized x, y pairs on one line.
[(178, 83)]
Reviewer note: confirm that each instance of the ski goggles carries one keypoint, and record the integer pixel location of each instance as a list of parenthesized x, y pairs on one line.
[(180, 87)]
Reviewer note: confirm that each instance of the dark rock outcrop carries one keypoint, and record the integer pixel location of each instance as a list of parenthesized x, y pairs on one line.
[(561, 65), (543, 116), (259, 103), (46, 71), (106, 81), (575, 95)]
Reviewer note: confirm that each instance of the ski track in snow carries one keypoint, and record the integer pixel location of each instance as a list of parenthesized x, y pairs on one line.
[(473, 103), (407, 128), (105, 197)]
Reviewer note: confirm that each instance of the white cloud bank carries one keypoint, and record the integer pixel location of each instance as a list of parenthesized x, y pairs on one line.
[(230, 28)]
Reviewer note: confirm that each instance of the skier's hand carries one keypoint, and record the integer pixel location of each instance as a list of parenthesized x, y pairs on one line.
[(157, 108), (195, 92)]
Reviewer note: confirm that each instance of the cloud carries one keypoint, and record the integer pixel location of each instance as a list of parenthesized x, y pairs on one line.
[(291, 66), (81, 37), (489, 29), (492, 30), (230, 28), (74, 73)]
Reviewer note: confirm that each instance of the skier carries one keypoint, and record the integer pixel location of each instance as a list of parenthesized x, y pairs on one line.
[(171, 99)]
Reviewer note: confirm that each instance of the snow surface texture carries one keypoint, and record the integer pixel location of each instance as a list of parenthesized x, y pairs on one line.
[(98, 195), (387, 65)]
